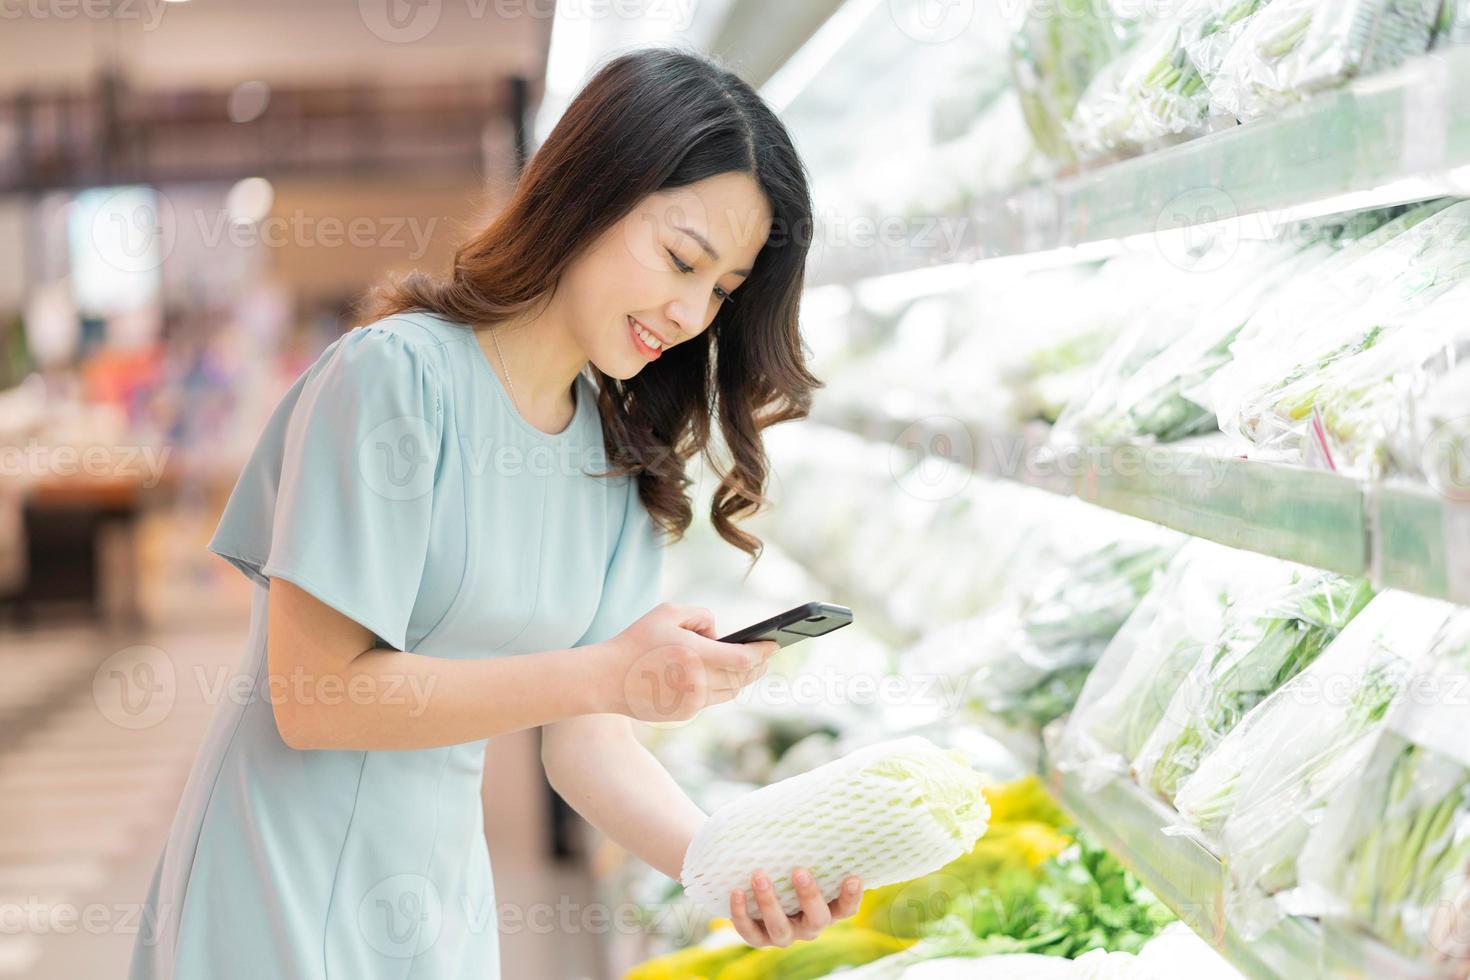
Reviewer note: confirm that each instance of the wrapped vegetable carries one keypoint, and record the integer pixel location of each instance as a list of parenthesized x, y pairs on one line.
[(1355, 414), (1042, 645), (1056, 49), (1453, 26), (1157, 92), (1294, 48), (1175, 624), (1393, 849), (1264, 644), (1268, 781), (1438, 435), (1340, 310), (887, 812), (1144, 386)]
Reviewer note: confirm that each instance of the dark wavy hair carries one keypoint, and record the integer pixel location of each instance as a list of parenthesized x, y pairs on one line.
[(651, 120)]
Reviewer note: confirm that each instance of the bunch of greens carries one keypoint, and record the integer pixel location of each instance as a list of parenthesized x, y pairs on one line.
[(1034, 672), (1054, 53), (1086, 900), (1264, 644), (1393, 853), (1157, 91), (1294, 48), (1271, 780)]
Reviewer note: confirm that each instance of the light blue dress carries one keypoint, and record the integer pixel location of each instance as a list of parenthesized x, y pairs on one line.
[(397, 483)]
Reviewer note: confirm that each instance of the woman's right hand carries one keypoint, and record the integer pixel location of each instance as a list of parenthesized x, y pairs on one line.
[(668, 665)]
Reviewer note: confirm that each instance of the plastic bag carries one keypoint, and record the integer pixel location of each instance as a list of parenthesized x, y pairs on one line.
[(1454, 23), (1174, 625), (1035, 650), (1263, 645), (1156, 92), (1144, 387), (1435, 441), (1293, 48), (1055, 51), (1357, 414), (1341, 310), (1267, 783), (1392, 851)]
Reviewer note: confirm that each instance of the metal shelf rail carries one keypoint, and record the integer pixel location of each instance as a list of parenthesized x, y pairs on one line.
[(1400, 534)]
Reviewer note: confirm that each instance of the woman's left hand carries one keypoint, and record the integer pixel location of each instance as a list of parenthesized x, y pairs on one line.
[(775, 927)]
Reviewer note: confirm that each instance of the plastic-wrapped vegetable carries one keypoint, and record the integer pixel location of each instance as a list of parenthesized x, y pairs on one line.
[(1293, 48), (1438, 436), (1341, 310), (1175, 624), (1269, 780), (1145, 386), (1357, 413), (1393, 849), (1454, 23), (887, 812), (1043, 645), (1056, 49), (1264, 644), (1156, 93)]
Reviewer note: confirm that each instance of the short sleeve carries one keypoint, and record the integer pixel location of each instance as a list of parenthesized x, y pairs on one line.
[(632, 585), (338, 493)]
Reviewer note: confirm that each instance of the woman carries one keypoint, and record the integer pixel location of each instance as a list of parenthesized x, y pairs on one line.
[(454, 529)]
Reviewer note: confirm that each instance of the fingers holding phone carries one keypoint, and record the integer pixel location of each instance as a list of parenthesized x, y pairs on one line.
[(669, 666)]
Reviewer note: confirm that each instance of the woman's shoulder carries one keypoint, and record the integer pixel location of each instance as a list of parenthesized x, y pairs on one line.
[(416, 328)]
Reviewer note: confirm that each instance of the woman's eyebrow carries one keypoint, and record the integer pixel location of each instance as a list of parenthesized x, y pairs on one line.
[(708, 248)]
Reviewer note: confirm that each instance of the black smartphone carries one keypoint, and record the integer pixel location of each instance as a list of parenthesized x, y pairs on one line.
[(794, 625)]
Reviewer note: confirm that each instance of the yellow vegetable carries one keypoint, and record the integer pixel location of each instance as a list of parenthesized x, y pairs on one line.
[(840, 944), (691, 963), (1022, 799)]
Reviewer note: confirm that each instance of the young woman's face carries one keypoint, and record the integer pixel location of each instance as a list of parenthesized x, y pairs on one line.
[(652, 268)]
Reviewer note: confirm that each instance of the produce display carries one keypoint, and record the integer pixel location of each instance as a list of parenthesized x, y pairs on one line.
[(1392, 852), (1031, 888), (1268, 782), (1026, 660), (1273, 747), (1287, 354), (1158, 93), (888, 812), (1183, 617), (1265, 643), (1295, 48)]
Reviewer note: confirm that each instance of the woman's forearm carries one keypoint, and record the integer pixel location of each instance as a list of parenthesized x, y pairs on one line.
[(387, 699), (600, 768)]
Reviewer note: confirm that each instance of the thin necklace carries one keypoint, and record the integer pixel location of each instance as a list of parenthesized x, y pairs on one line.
[(509, 383)]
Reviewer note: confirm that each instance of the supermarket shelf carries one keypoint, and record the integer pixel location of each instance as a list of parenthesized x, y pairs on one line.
[(1400, 534), (1405, 125), (1190, 879), (1421, 540)]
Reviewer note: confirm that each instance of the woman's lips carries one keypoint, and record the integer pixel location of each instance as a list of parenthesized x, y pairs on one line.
[(643, 348)]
